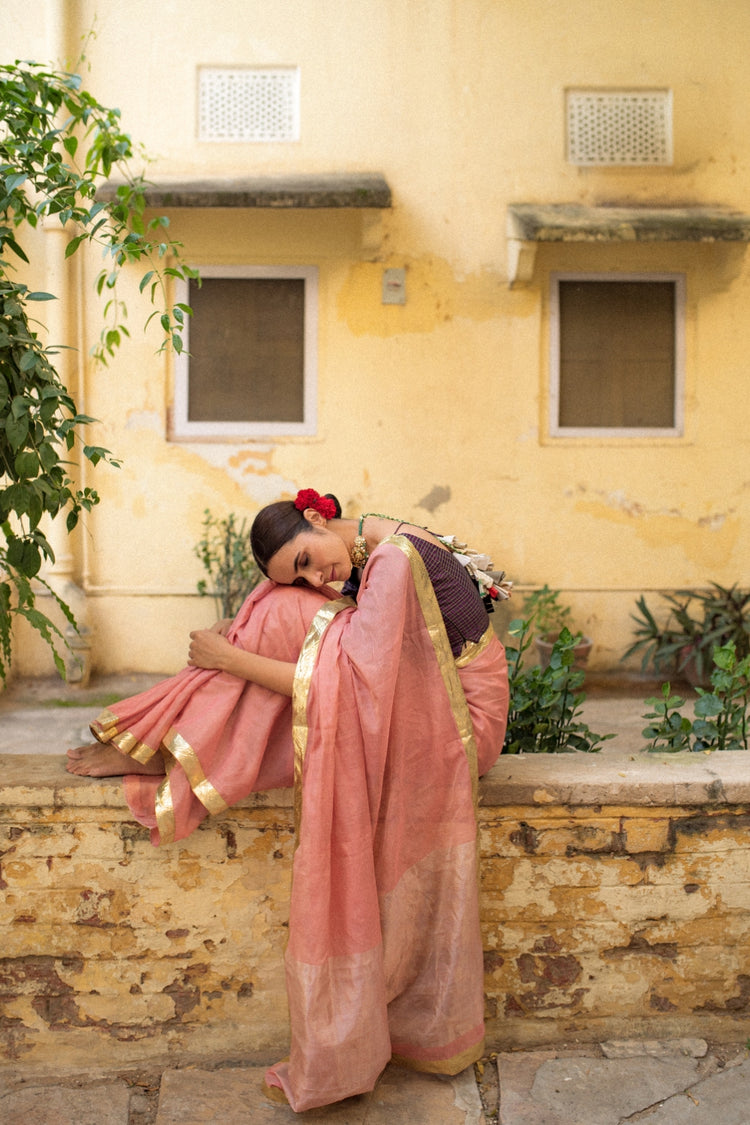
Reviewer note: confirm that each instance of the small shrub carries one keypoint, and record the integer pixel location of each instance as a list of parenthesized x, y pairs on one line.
[(721, 713), (545, 703), (224, 550)]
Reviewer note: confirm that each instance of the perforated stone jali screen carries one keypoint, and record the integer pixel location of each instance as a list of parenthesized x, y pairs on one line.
[(248, 104), (625, 127)]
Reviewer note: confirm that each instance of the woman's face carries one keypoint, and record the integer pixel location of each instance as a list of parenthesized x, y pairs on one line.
[(315, 557)]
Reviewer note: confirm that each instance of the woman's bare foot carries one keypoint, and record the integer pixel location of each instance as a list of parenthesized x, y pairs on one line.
[(98, 760)]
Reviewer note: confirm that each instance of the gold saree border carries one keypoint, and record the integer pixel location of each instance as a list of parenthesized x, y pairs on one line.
[(473, 649), (105, 729), (447, 663), (301, 689), (180, 752), (453, 1065), (164, 807)]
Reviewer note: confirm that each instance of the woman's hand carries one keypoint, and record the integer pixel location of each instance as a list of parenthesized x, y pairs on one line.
[(222, 627), (209, 648)]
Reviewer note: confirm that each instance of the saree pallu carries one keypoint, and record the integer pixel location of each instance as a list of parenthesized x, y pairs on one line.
[(384, 958)]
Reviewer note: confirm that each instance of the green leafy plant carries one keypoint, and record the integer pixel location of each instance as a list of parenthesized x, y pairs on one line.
[(224, 550), (696, 623), (548, 616), (544, 716), (668, 729), (544, 610), (57, 146), (721, 714)]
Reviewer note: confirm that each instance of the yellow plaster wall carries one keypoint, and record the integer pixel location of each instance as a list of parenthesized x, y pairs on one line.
[(436, 411)]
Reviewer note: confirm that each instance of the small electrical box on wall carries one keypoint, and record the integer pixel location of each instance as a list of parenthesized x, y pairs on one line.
[(394, 287)]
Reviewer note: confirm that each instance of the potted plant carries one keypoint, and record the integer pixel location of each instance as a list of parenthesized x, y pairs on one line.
[(548, 617), (697, 621)]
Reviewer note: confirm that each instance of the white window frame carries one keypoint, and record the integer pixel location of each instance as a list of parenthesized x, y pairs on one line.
[(183, 428), (555, 429)]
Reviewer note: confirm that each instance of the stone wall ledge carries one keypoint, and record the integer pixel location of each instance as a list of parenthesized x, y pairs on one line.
[(611, 777)]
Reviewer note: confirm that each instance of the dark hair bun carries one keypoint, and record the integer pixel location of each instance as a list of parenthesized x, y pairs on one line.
[(330, 496)]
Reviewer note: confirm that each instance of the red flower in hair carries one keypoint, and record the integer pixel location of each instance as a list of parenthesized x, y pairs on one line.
[(309, 498)]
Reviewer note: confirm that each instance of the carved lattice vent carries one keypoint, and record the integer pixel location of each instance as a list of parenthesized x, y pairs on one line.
[(248, 104), (619, 126)]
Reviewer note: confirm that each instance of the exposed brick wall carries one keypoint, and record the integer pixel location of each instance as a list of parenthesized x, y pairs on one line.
[(599, 920)]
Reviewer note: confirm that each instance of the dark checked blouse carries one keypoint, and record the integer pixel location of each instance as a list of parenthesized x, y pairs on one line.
[(460, 603)]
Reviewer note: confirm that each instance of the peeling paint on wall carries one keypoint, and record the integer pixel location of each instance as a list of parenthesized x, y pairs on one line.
[(440, 494), (434, 296)]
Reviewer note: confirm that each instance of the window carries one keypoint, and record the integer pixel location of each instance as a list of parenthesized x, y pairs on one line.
[(250, 359), (617, 354)]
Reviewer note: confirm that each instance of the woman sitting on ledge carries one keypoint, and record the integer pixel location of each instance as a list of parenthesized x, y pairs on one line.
[(381, 712)]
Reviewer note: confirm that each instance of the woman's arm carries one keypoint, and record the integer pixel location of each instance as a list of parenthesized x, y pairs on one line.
[(209, 649)]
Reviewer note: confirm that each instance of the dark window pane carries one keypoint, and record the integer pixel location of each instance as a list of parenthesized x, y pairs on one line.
[(247, 350), (617, 354)]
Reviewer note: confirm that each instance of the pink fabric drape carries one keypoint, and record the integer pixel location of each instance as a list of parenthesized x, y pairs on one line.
[(385, 956), (386, 735), (222, 737)]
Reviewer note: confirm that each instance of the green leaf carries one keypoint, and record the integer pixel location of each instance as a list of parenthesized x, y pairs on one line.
[(16, 431), (40, 296), (15, 181), (28, 360), (11, 242), (74, 244), (26, 464), (23, 555)]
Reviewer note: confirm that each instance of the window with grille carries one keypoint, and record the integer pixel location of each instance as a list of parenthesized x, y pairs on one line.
[(250, 361), (617, 354), (625, 127), (259, 104)]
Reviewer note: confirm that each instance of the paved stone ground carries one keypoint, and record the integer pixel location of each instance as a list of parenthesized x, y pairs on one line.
[(648, 1082), (232, 1096), (681, 1082)]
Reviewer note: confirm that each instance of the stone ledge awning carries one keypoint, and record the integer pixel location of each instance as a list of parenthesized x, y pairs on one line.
[(358, 190), (528, 224)]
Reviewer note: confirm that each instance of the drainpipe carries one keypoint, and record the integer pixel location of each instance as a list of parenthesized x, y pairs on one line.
[(61, 323)]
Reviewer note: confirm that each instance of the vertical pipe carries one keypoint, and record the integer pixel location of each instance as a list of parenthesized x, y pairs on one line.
[(63, 323)]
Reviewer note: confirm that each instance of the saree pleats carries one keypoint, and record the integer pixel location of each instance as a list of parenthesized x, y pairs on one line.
[(384, 956)]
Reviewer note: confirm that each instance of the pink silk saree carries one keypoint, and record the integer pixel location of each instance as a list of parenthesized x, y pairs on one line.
[(384, 740)]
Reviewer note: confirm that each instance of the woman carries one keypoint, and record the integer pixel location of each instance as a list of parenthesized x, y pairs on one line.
[(399, 701)]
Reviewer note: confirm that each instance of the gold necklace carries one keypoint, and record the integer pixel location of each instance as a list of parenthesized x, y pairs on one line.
[(359, 553)]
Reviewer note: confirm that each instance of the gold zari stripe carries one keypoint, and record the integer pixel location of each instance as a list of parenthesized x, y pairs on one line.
[(105, 730), (164, 807), (446, 661), (473, 649), (178, 750), (181, 749), (301, 689), (442, 1066)]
